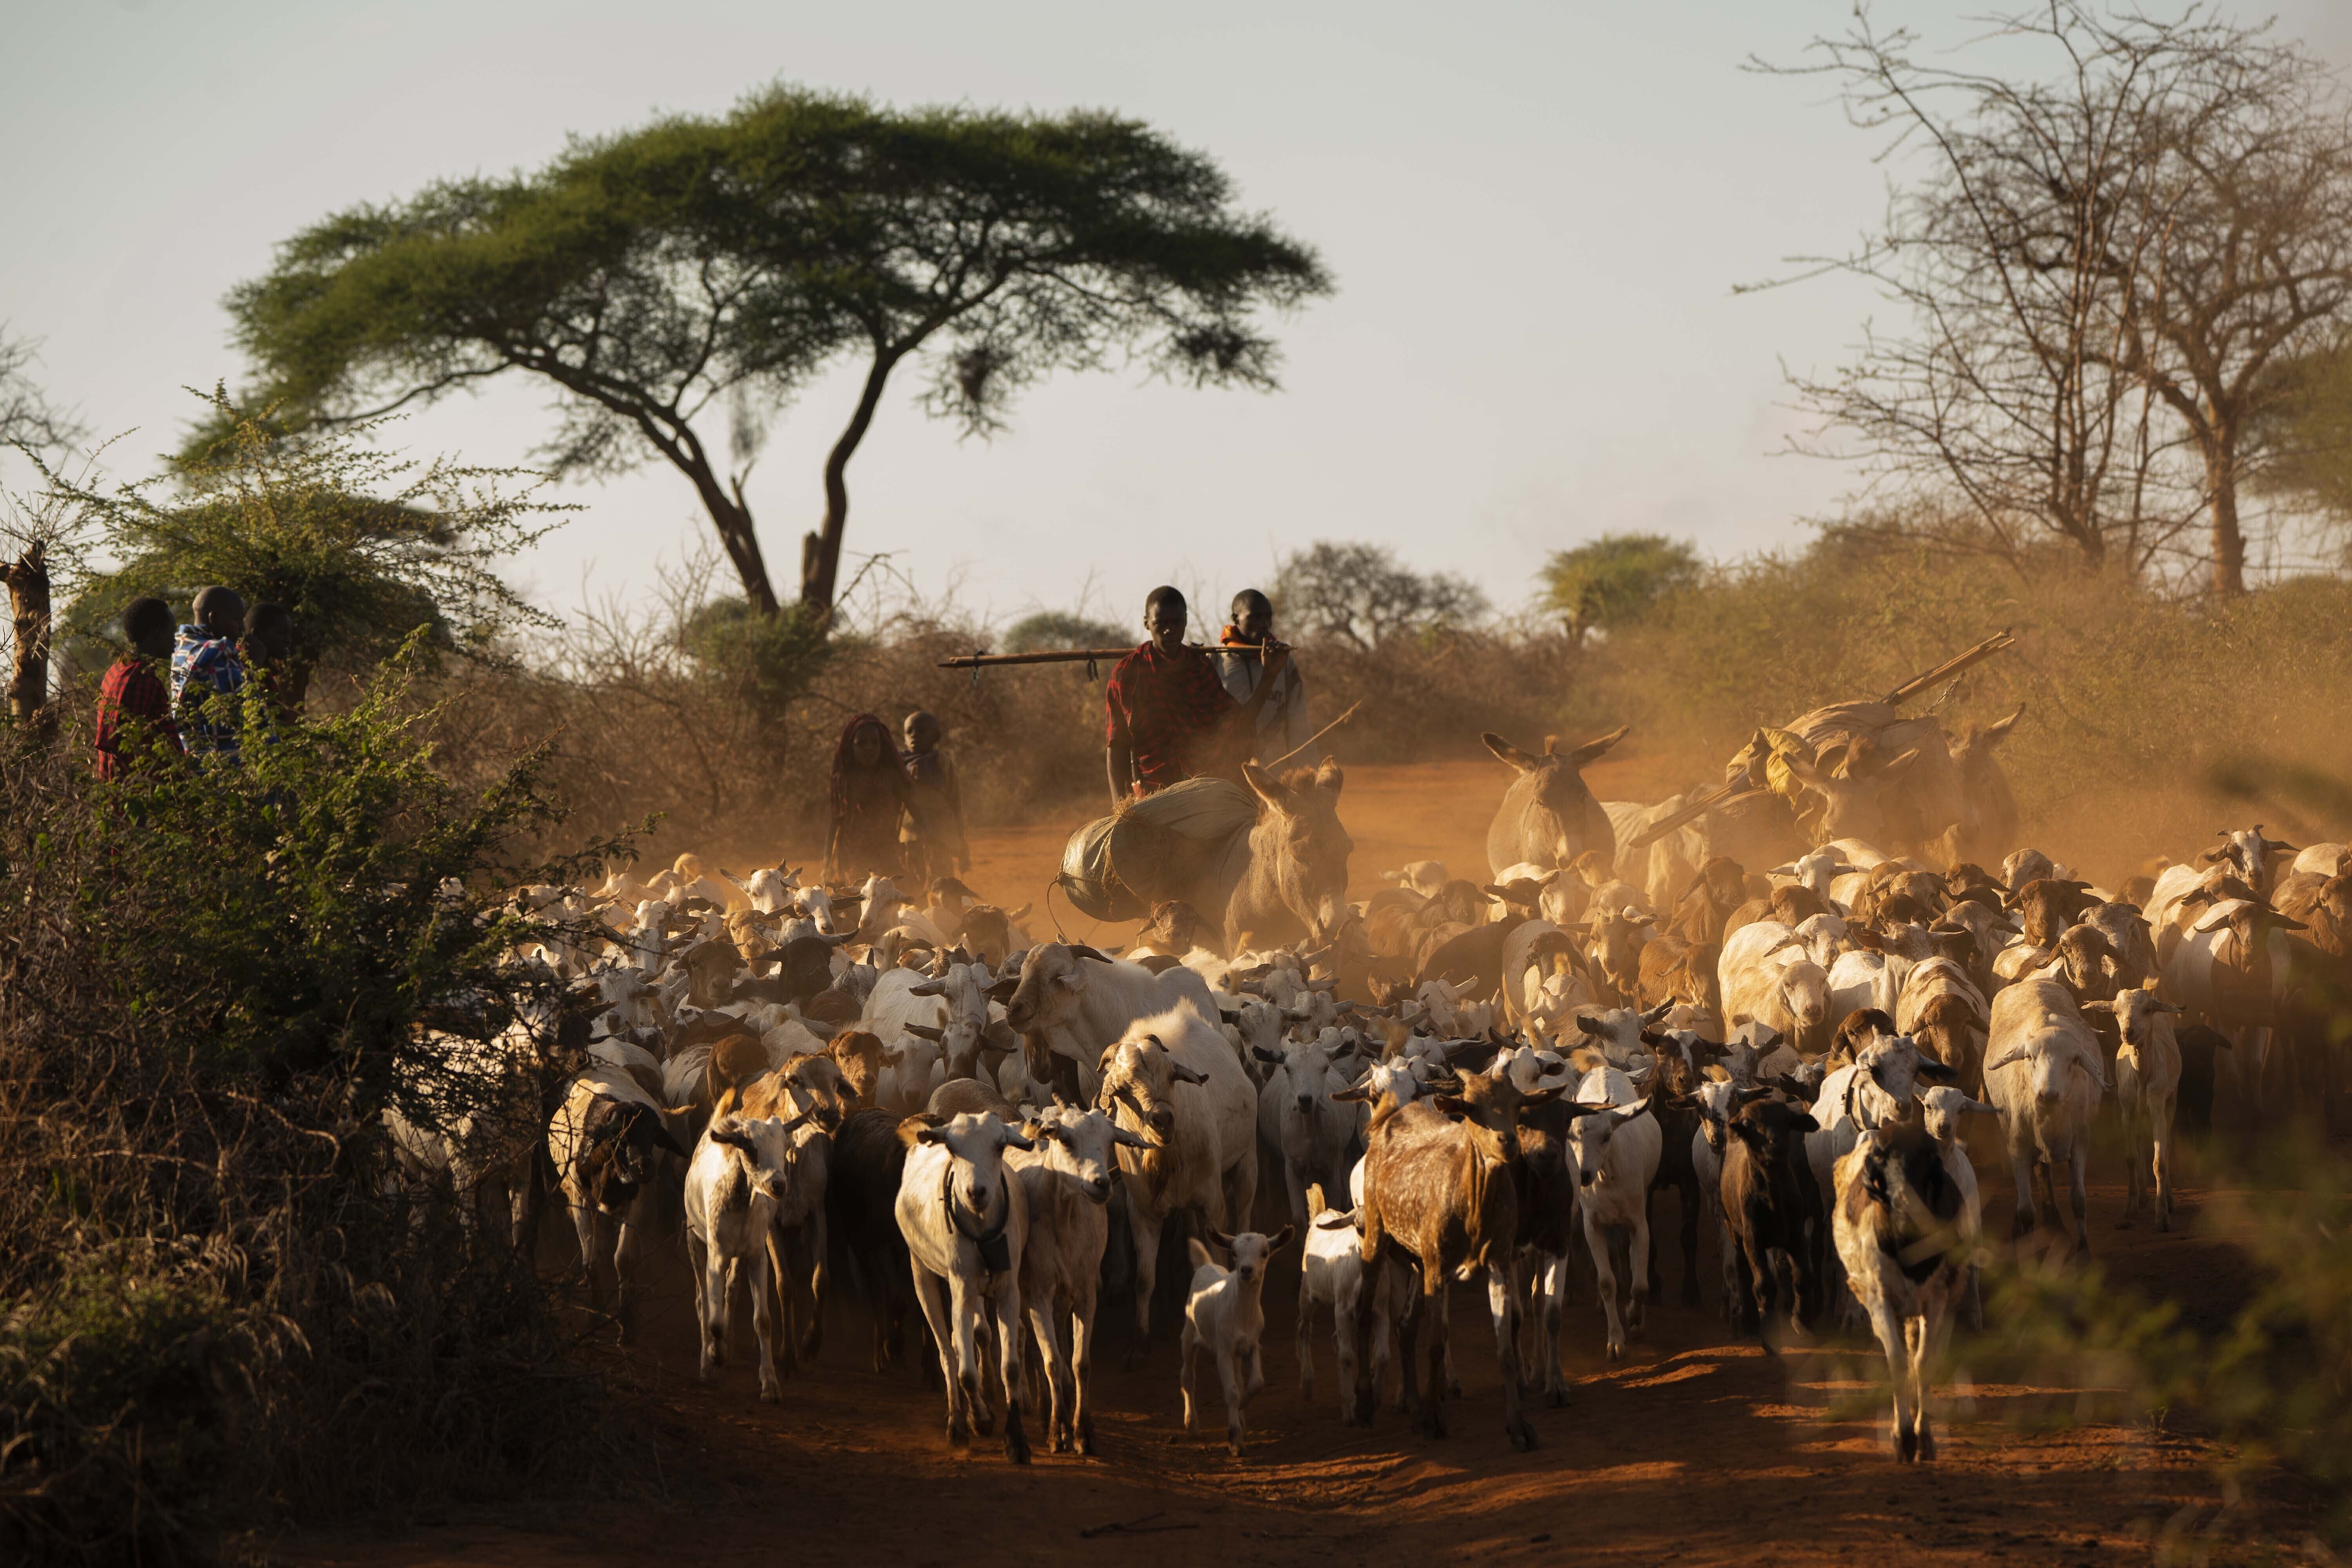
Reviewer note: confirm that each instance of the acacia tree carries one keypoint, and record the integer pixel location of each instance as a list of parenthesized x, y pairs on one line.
[(2303, 430), (362, 549), (29, 416), (1613, 580), (696, 269), (2014, 255), (2098, 267), (2248, 220), (1363, 595)]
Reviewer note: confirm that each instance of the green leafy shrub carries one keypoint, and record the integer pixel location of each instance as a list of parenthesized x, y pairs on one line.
[(216, 1310)]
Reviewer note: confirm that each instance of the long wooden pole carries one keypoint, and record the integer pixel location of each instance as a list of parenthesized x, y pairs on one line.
[(1318, 734), (1952, 665), (1070, 655)]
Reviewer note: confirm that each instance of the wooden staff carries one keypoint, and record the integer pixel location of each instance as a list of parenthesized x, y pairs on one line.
[(1692, 810), (1318, 734), (1072, 656), (1952, 665)]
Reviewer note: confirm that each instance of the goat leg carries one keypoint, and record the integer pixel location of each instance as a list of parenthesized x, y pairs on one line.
[(929, 1289), (812, 1236), (1009, 1359), (1433, 1302), (1502, 1301)]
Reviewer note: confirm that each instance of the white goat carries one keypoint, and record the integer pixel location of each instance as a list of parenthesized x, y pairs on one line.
[(1224, 1315), (966, 1219), (733, 1186)]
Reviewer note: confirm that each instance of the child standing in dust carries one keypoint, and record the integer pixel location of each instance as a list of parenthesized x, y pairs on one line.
[(931, 840), (868, 796)]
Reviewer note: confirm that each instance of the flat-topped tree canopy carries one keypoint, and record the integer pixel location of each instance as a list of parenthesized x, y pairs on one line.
[(703, 269)]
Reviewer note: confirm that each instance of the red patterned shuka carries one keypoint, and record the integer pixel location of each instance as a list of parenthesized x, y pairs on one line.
[(1169, 709), (132, 690)]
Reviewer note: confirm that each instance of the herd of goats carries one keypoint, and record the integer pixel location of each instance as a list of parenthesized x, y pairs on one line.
[(1784, 998)]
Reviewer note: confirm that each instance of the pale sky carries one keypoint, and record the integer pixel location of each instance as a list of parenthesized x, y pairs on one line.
[(1535, 215)]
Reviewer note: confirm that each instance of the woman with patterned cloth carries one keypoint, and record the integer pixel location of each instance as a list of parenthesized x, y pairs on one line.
[(867, 798)]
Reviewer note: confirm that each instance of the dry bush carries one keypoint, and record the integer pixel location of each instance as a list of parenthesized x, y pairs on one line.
[(2131, 697), (2132, 700), (216, 1310), (642, 718), (1427, 697)]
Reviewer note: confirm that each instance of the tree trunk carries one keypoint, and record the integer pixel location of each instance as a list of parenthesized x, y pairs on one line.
[(732, 518), (2229, 540), (821, 551), (28, 608)]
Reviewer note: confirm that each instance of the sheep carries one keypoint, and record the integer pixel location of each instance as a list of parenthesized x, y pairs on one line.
[(2147, 1078), (966, 1219), (1225, 1314), (2043, 1069), (1066, 1181), (1904, 1233), (733, 1181)]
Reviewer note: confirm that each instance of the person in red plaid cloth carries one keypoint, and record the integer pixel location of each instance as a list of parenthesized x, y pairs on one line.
[(1170, 716), (134, 692)]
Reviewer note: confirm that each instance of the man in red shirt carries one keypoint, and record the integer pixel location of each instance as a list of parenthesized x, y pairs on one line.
[(1170, 715), (133, 691)]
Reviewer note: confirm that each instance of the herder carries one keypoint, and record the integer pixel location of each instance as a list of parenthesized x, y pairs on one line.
[(1171, 717), (1284, 730)]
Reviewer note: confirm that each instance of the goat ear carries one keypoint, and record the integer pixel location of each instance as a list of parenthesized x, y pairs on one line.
[(1804, 1122), (930, 1135), (1279, 1239), (1454, 1105), (1937, 1072), (925, 1032), (1262, 1054), (929, 988), (1183, 1074), (1122, 1136)]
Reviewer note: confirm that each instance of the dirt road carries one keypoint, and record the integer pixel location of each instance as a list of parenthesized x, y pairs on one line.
[(1700, 1449)]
